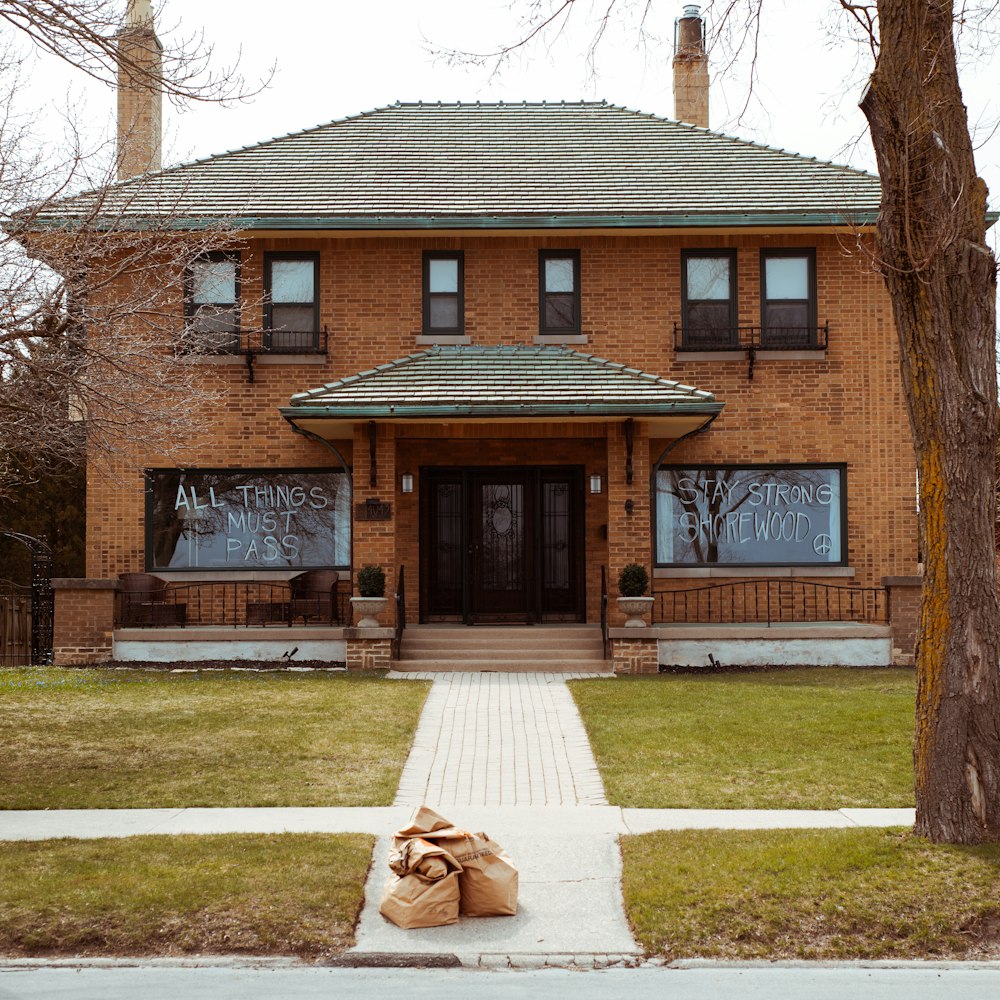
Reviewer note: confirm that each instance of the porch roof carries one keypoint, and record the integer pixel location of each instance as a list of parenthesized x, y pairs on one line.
[(501, 383)]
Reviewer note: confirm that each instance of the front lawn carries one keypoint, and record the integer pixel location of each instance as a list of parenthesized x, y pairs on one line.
[(811, 894), (262, 895), (107, 739), (811, 738)]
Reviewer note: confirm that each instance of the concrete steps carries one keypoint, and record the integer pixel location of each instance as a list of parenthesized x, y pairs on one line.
[(503, 648)]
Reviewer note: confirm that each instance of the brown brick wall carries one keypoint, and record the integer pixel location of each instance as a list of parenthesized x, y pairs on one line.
[(844, 407), (634, 656), (369, 654), (84, 612), (904, 601)]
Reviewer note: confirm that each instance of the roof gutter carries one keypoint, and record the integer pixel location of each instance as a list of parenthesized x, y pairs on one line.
[(518, 410)]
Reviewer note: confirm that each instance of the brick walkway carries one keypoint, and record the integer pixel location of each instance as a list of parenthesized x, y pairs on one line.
[(492, 739)]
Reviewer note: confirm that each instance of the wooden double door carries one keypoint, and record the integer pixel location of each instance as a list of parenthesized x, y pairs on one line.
[(502, 544)]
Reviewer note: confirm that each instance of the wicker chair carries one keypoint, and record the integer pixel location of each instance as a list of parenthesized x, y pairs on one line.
[(314, 595)]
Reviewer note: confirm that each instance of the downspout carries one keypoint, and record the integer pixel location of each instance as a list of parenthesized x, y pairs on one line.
[(656, 468), (343, 464)]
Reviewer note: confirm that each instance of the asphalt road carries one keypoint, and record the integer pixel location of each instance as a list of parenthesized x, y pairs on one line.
[(713, 983)]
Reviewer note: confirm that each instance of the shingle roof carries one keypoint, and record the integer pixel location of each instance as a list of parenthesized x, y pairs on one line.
[(507, 381), (468, 165)]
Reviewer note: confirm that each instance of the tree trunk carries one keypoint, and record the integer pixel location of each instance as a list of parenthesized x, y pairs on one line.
[(941, 277)]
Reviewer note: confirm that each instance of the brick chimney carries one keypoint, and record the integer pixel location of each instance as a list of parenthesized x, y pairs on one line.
[(690, 68), (140, 106)]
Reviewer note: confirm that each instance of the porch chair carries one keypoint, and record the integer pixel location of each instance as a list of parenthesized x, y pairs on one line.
[(144, 601), (315, 595)]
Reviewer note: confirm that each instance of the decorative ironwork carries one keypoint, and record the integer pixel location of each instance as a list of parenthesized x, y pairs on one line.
[(42, 597), (503, 526), (251, 344), (772, 602), (752, 339), (400, 613), (604, 609)]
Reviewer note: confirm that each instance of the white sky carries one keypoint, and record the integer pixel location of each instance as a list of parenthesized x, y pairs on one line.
[(336, 58)]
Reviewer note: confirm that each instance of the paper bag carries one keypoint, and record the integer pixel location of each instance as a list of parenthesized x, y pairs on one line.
[(424, 889), (488, 880)]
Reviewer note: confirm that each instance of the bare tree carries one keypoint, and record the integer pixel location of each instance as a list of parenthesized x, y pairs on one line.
[(940, 274), (90, 310)]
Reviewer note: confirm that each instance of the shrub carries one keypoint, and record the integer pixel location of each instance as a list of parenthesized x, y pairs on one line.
[(371, 581), (633, 581)]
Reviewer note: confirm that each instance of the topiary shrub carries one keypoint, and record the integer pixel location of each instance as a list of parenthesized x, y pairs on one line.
[(633, 581), (371, 581)]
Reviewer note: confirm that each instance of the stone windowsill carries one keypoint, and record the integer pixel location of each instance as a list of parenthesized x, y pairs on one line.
[(742, 355), (558, 339), (444, 339), (258, 359), (729, 572)]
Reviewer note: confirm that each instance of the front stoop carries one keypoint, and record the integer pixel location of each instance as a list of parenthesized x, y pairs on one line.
[(503, 648)]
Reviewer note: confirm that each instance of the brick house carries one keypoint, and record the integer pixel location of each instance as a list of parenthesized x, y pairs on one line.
[(503, 351)]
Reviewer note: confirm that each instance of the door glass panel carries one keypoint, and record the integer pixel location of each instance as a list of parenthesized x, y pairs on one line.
[(502, 562), (555, 536)]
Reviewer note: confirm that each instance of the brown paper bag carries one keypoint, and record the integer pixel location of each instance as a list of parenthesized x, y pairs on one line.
[(488, 880), (424, 821), (424, 889)]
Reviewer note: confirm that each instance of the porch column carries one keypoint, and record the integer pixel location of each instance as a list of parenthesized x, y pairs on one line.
[(373, 542), (629, 534)]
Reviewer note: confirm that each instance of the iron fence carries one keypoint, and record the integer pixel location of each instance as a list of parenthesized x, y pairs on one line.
[(232, 604), (772, 602)]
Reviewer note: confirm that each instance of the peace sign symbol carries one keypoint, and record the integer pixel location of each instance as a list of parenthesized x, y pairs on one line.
[(822, 544)]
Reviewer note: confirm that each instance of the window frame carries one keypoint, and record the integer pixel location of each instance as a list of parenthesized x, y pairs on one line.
[(812, 311), (732, 340), (426, 294), (270, 256), (191, 308), (543, 293), (841, 468)]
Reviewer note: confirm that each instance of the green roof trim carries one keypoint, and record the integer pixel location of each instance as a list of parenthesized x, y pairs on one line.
[(500, 381)]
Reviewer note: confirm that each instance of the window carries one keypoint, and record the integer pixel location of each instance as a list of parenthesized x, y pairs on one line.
[(247, 519), (708, 293), (291, 305), (788, 298), (444, 295), (791, 515), (211, 304), (559, 291)]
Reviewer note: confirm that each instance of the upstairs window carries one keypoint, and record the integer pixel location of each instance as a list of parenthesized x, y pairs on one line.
[(444, 295), (708, 294), (559, 291), (291, 302), (788, 298), (211, 304)]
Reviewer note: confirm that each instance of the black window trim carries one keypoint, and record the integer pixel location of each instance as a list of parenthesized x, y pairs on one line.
[(841, 467), (191, 308), (706, 253), (543, 256), (812, 321), (269, 257), (447, 331)]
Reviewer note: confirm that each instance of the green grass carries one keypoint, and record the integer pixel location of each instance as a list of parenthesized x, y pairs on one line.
[(130, 739), (831, 894), (811, 738), (283, 895)]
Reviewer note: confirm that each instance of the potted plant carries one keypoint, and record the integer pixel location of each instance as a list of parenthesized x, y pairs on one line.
[(371, 603), (633, 582)]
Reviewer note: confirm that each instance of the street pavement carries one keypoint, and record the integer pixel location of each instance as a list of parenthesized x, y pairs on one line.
[(701, 982)]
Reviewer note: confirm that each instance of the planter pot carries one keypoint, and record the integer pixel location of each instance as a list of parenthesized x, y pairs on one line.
[(369, 608), (635, 609)]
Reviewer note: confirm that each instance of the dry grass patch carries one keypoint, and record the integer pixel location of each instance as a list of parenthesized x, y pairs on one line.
[(261, 895), (810, 738), (76, 739), (831, 894)]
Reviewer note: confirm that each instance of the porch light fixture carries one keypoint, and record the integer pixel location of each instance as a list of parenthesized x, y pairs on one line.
[(595, 483), (406, 481)]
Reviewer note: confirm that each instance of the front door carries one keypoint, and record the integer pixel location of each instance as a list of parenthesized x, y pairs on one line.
[(502, 545)]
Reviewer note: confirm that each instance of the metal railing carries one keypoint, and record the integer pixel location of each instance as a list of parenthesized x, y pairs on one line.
[(15, 624), (232, 604), (604, 609), (772, 602), (254, 342), (400, 613), (745, 338)]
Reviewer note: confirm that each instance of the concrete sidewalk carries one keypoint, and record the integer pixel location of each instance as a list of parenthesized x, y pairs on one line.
[(86, 824)]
